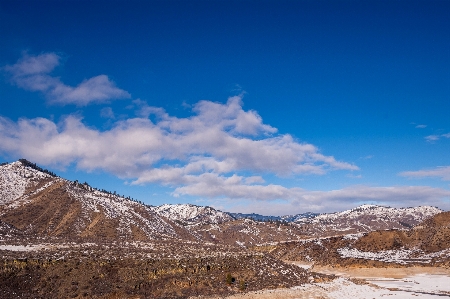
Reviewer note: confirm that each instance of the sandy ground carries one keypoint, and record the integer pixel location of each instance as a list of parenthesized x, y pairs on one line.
[(395, 283)]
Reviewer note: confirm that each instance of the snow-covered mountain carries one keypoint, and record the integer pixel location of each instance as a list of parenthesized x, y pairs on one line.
[(367, 218), (410, 216), (189, 214), (18, 182)]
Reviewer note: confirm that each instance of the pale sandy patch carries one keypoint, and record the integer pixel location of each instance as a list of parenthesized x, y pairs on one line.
[(367, 273), (304, 265)]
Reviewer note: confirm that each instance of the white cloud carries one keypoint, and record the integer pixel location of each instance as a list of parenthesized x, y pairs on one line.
[(432, 138), (442, 172), (212, 185), (221, 146), (32, 73), (421, 126)]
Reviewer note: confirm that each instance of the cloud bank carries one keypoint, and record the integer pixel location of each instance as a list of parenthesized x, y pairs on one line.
[(221, 150), (343, 199), (33, 73)]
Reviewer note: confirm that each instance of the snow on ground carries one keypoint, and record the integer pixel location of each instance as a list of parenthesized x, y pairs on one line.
[(426, 283), (22, 247), (344, 288), (14, 178), (400, 256), (390, 256)]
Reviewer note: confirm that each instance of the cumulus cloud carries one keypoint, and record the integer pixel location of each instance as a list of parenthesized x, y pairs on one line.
[(442, 172), (221, 150), (33, 73)]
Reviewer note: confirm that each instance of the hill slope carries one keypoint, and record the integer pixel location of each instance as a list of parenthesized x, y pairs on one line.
[(42, 205)]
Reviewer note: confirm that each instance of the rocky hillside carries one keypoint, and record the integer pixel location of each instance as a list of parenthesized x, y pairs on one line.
[(248, 233), (432, 235)]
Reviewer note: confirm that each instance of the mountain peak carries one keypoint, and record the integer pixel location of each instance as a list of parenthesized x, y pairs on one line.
[(190, 214)]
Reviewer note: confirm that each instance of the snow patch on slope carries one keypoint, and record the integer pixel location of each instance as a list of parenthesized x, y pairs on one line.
[(14, 180), (399, 256)]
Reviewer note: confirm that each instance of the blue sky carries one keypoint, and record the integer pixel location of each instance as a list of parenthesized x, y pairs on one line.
[(275, 107)]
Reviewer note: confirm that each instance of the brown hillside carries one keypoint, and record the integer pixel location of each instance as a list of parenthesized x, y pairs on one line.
[(431, 235), (66, 209)]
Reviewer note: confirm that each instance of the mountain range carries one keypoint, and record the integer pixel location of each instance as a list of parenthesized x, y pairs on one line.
[(36, 202)]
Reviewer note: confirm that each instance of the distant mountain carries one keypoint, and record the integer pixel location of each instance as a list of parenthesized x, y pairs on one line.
[(366, 218), (300, 217), (255, 217), (287, 218), (361, 219)]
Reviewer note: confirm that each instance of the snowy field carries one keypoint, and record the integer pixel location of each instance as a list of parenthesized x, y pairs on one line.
[(420, 283), (345, 288)]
